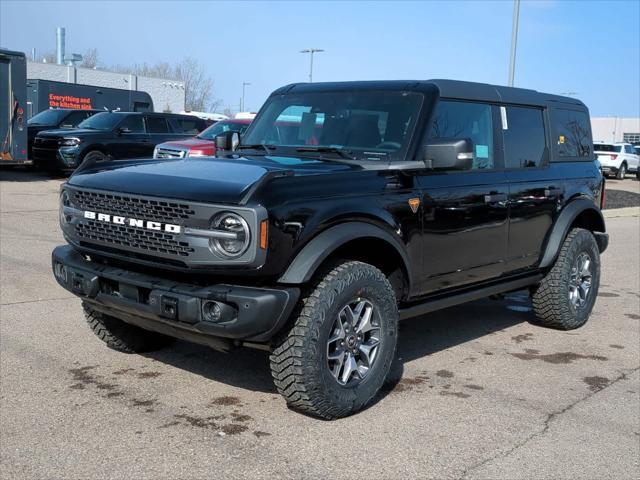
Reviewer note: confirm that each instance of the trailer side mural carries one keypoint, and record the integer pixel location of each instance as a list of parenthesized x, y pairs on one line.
[(45, 94), (13, 129)]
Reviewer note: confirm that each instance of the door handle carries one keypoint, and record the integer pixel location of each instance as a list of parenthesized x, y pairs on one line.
[(552, 191), (495, 198)]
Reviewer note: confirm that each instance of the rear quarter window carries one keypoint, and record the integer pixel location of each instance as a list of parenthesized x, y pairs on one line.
[(188, 126), (571, 134)]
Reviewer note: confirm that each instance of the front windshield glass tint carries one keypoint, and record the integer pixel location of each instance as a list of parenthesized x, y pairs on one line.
[(101, 121), (371, 125), (48, 117), (221, 127)]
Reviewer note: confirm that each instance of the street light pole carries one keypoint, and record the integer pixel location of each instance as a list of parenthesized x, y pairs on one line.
[(244, 84), (311, 51), (514, 40)]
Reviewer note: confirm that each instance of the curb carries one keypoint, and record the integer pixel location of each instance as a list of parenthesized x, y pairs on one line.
[(621, 212)]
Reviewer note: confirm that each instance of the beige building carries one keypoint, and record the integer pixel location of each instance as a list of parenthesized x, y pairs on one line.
[(616, 129)]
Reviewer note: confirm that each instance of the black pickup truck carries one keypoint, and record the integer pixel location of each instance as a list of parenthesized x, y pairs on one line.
[(344, 208), (111, 135)]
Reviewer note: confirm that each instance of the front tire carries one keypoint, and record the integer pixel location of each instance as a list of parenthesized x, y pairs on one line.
[(122, 336), (566, 295), (339, 350)]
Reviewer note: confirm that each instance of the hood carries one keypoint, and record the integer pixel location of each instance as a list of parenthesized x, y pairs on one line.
[(33, 130), (200, 179), (68, 132), (189, 143)]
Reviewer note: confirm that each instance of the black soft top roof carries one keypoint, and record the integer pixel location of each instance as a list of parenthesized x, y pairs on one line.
[(448, 89)]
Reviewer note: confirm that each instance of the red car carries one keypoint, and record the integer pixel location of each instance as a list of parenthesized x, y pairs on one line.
[(203, 144)]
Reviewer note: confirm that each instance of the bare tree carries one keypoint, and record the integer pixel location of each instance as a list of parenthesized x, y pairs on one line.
[(198, 86), (90, 58)]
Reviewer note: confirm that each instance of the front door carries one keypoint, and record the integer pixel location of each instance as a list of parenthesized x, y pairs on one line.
[(465, 213), (132, 141)]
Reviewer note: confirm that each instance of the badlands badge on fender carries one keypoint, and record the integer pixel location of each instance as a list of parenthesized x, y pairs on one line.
[(414, 203)]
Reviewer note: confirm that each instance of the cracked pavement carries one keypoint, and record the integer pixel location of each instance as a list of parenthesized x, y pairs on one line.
[(477, 392)]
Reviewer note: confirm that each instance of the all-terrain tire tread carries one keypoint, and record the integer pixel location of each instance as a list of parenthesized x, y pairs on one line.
[(121, 336), (292, 357)]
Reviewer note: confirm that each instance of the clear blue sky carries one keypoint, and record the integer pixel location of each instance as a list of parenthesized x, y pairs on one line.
[(588, 47)]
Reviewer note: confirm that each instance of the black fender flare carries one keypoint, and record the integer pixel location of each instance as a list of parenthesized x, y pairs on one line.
[(562, 226), (318, 249)]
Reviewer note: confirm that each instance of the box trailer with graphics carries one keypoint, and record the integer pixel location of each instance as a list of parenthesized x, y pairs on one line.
[(45, 94), (13, 102)]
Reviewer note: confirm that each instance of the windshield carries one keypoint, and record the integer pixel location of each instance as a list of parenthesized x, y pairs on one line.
[(221, 127), (367, 125), (603, 147), (101, 121), (48, 117)]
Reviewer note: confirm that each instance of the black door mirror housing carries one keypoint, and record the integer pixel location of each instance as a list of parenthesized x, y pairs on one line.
[(449, 154), (123, 130), (227, 141)]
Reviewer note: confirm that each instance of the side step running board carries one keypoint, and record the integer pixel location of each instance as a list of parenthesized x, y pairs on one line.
[(467, 296)]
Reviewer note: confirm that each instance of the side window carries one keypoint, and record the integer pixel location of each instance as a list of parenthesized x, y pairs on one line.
[(74, 118), (134, 124), (524, 138), (467, 120), (572, 134), (157, 125), (186, 125)]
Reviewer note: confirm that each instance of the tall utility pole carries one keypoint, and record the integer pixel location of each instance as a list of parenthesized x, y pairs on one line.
[(244, 84), (514, 40), (311, 51)]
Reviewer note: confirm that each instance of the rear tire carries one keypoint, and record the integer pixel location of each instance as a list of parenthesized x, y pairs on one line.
[(339, 350), (122, 336), (566, 295), (622, 171)]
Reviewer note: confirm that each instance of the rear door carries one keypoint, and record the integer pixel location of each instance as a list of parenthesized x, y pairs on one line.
[(465, 222), (158, 132), (535, 188)]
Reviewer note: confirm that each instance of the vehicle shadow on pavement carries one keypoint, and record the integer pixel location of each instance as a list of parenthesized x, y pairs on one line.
[(25, 174), (419, 337)]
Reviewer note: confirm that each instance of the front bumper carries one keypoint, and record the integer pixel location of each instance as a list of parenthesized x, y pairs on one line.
[(63, 158), (251, 314)]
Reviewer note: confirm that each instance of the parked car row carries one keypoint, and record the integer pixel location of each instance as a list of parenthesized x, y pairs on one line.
[(104, 135)]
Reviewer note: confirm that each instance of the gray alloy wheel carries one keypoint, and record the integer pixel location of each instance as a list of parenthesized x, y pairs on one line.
[(580, 280), (622, 171), (354, 342)]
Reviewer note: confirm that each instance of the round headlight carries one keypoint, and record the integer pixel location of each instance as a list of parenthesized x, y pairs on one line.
[(237, 241), (65, 201)]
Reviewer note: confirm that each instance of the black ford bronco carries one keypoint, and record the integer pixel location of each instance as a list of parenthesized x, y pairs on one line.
[(344, 208)]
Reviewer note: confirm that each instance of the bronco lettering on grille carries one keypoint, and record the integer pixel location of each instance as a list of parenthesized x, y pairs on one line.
[(132, 222)]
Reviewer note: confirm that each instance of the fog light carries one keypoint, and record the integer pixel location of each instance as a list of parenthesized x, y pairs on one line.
[(60, 272), (211, 311)]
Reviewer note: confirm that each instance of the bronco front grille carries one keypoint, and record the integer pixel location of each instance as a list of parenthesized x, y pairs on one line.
[(132, 237), (126, 206)]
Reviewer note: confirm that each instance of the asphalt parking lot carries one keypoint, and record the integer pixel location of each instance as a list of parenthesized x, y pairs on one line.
[(476, 392)]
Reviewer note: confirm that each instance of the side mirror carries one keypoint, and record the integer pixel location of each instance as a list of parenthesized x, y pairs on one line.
[(449, 154), (122, 130), (228, 141)]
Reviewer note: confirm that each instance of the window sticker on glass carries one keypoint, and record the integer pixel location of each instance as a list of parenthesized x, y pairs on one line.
[(482, 151), (503, 116), (561, 139)]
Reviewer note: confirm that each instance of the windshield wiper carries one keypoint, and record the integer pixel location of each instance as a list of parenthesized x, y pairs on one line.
[(339, 151), (257, 146)]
